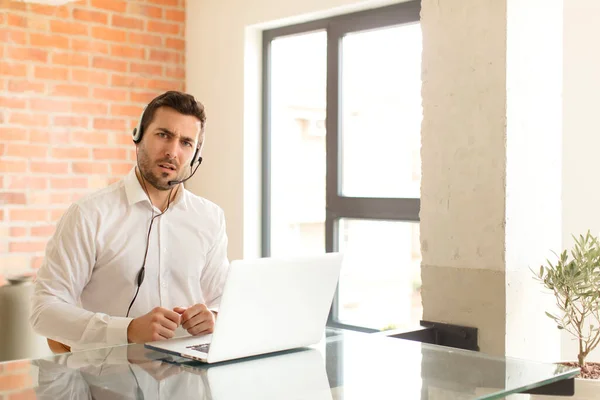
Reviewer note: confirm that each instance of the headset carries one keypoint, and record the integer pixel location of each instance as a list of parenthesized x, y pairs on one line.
[(137, 138)]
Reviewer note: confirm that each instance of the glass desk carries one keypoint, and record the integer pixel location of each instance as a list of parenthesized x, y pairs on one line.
[(344, 365)]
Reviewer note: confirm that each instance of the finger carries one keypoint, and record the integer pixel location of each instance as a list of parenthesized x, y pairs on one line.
[(202, 328), (179, 310), (192, 311), (172, 315), (167, 323), (165, 332), (195, 320)]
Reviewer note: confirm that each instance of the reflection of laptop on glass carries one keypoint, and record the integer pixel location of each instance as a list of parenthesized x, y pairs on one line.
[(268, 305)]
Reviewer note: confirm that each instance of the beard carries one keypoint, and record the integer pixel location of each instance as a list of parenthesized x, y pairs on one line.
[(147, 169)]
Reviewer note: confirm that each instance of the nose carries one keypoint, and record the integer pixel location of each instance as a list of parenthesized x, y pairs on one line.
[(171, 150)]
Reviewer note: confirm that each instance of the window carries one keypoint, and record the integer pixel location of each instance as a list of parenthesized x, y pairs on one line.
[(341, 156)]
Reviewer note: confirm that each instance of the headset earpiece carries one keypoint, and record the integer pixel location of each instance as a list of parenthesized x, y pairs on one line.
[(137, 131), (196, 158)]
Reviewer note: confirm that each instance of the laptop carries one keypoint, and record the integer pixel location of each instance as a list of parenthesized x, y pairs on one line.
[(268, 305)]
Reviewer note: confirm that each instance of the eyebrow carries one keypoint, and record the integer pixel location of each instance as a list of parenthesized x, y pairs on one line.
[(165, 130)]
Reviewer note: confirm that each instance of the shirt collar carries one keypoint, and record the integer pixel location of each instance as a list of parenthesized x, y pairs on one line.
[(135, 192)]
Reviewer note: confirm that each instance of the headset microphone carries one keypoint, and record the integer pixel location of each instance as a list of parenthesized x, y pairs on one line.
[(173, 183)]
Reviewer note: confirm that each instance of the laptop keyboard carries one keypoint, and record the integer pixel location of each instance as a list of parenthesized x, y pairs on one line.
[(202, 348)]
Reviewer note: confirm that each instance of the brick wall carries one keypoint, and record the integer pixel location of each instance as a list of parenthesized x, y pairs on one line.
[(73, 81), (16, 381)]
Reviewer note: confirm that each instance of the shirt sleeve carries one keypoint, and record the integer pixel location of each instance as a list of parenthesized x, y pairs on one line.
[(215, 271), (56, 311)]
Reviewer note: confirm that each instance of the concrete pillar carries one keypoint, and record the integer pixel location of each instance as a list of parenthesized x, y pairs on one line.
[(491, 157)]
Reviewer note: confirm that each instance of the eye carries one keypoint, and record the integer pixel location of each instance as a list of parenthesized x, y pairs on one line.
[(186, 143), (162, 134)]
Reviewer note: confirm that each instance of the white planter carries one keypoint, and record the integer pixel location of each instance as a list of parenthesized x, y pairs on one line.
[(585, 389)]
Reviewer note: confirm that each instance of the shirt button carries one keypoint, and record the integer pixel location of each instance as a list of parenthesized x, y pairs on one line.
[(164, 284)]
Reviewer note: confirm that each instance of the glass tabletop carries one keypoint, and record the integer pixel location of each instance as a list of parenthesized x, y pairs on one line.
[(344, 365)]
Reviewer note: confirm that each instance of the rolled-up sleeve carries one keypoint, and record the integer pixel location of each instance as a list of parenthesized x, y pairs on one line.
[(215, 271), (67, 268)]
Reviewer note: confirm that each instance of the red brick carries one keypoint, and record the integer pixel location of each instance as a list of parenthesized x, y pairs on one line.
[(110, 64), (112, 5), (127, 22), (175, 44), (49, 167), (21, 365), (118, 50), (164, 84), (13, 198), (16, 86), (68, 183), (27, 54), (60, 12), (163, 27), (54, 73), (13, 69), (27, 394), (46, 104), (110, 124), (145, 39), (28, 215), (29, 119), (127, 111), (123, 138), (71, 90), (171, 3), (90, 168), (60, 198), (45, 230), (38, 136), (109, 154), (129, 81), (143, 68), (71, 59), (36, 262), (26, 150), (89, 46), (53, 41), (56, 214), (70, 153), (12, 102), (19, 231), (91, 108), (175, 15), (175, 72), (132, 155), (27, 182), (90, 76), (110, 94), (26, 247), (110, 34), (17, 20), (147, 11), (15, 382), (1, 219), (89, 138), (11, 36), (69, 28), (90, 16), (120, 168), (71, 121), (13, 166), (142, 97)]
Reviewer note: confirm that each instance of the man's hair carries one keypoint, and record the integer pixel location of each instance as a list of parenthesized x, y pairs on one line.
[(181, 102)]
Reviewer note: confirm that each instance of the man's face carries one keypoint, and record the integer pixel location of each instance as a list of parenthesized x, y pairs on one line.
[(167, 147)]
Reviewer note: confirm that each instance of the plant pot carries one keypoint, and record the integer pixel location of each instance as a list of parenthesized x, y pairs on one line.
[(585, 389)]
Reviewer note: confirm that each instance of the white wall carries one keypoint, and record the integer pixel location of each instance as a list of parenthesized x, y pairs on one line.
[(581, 123), (223, 53)]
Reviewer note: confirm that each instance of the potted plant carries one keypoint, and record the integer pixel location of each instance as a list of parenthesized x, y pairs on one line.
[(574, 279)]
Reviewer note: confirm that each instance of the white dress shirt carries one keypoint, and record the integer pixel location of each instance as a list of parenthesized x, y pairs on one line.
[(88, 277)]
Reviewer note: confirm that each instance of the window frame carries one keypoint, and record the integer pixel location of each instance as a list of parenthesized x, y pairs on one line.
[(337, 206)]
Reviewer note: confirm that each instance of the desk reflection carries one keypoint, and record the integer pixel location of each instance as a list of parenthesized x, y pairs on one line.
[(128, 373)]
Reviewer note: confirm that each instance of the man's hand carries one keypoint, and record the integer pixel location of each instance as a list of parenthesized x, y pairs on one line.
[(197, 319), (158, 324)]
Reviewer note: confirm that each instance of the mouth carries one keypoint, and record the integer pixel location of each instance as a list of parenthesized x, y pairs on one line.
[(167, 167)]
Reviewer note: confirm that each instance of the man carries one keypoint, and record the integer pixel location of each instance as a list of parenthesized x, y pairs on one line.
[(144, 257)]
